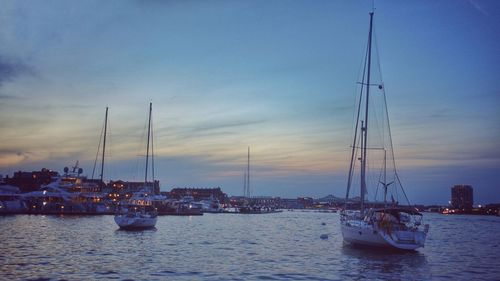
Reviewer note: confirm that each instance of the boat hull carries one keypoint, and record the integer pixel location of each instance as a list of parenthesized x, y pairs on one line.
[(367, 235), (12, 207), (362, 235), (134, 223)]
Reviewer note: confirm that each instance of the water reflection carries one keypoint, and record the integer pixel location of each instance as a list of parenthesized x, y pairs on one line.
[(368, 262), (136, 231)]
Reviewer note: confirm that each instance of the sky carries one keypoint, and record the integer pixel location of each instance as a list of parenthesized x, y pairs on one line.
[(276, 76)]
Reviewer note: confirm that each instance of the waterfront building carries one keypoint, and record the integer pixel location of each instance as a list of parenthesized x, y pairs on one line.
[(121, 190), (31, 181), (306, 202), (287, 203), (462, 197), (267, 201), (198, 194)]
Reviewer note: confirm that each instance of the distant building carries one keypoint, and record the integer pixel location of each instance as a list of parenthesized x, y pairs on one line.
[(31, 181), (462, 197), (263, 201), (305, 202), (198, 193), (120, 187), (290, 204)]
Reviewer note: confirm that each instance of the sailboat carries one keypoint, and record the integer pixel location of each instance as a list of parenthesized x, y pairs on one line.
[(252, 205), (138, 212), (385, 224)]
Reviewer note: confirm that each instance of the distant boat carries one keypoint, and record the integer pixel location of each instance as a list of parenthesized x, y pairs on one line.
[(249, 204), (186, 206), (211, 205), (139, 212), (70, 193), (258, 210), (11, 200), (389, 225)]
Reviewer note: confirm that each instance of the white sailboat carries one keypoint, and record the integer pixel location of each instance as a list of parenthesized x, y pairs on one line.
[(139, 212), (386, 225)]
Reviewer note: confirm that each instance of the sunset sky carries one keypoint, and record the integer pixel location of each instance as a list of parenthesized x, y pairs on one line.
[(278, 76)]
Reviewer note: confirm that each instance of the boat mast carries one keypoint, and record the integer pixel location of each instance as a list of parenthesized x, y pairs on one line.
[(147, 147), (355, 139), (104, 143), (244, 183), (152, 156), (248, 173), (364, 129)]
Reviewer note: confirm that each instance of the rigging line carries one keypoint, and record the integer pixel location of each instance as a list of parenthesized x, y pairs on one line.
[(379, 181), (138, 154), (378, 57), (98, 149), (361, 73), (109, 151), (377, 119), (104, 144), (388, 123), (379, 65), (390, 135), (404, 193), (354, 149)]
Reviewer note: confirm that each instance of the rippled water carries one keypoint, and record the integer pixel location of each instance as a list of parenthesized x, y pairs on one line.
[(281, 246)]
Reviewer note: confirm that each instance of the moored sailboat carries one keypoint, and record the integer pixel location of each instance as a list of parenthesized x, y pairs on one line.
[(139, 212), (387, 225)]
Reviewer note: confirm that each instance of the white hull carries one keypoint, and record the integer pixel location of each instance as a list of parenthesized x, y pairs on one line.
[(12, 207), (135, 222), (361, 233)]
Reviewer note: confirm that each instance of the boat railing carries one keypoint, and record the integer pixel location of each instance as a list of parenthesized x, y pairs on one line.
[(347, 215)]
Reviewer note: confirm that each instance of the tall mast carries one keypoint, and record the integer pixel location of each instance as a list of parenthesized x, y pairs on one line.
[(364, 129), (245, 183), (104, 143), (147, 149), (353, 147), (248, 173)]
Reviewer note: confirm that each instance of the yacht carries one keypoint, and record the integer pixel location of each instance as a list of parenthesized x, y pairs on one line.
[(384, 224), (11, 200)]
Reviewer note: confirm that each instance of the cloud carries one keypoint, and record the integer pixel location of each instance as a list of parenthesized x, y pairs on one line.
[(11, 68), (11, 157), (4, 97), (224, 124)]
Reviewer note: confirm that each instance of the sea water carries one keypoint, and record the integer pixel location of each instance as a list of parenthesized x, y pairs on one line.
[(291, 245)]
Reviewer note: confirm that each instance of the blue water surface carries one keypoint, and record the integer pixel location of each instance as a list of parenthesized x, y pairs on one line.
[(292, 245)]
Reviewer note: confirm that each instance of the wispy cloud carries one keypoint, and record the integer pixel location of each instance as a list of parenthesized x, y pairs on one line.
[(224, 124), (5, 97), (11, 68), (10, 157)]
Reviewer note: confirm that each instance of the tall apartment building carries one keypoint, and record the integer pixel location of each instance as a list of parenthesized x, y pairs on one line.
[(462, 197)]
